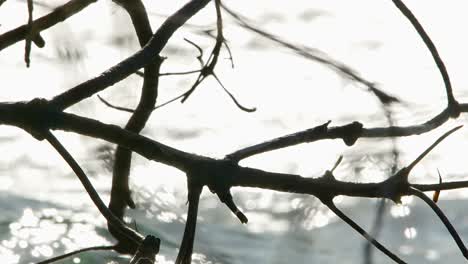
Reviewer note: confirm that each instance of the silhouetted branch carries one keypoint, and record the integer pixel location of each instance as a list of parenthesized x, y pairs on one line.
[(443, 218), (110, 217), (375, 231), (59, 14), (148, 54), (452, 103), (141, 74), (194, 190), (67, 255), (243, 108), (29, 37), (147, 251), (120, 108), (120, 193), (362, 232), (315, 55), (219, 175)]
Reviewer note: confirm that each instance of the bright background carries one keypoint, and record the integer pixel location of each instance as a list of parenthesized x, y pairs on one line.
[(45, 211)]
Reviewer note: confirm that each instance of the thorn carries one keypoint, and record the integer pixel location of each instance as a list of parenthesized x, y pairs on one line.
[(435, 197), (340, 158)]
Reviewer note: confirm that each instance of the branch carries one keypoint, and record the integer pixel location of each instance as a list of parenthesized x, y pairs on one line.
[(362, 232), (59, 14), (452, 103), (67, 255), (443, 218), (317, 56), (111, 218), (120, 108), (186, 248), (120, 196), (27, 48), (349, 133), (147, 251), (208, 68), (148, 54)]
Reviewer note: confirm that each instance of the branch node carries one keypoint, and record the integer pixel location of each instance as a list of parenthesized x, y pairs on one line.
[(350, 133), (147, 250), (454, 108)]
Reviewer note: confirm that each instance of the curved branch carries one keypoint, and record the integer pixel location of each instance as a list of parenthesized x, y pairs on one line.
[(432, 48), (443, 218), (110, 217)]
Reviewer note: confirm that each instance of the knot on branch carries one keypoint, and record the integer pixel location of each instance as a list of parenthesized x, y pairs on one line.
[(147, 250), (454, 108), (349, 133), (36, 117), (396, 186)]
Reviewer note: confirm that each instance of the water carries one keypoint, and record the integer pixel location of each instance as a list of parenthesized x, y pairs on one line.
[(45, 211)]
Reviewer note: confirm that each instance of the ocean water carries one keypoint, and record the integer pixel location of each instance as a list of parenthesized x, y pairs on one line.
[(46, 212)]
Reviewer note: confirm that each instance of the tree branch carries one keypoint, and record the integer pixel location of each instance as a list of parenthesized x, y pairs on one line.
[(120, 193), (148, 54), (452, 103), (59, 14)]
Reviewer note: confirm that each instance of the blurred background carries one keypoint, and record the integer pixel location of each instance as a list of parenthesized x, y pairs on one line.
[(46, 212)]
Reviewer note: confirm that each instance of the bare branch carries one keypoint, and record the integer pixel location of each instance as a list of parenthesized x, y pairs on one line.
[(452, 103), (148, 54), (363, 233), (443, 218), (59, 14), (317, 56), (124, 109), (27, 48), (120, 193), (67, 255), (110, 217)]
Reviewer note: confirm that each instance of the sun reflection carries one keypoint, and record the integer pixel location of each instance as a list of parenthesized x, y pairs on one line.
[(410, 232), (167, 217), (432, 255), (8, 257), (398, 211), (263, 222), (28, 219), (318, 219), (406, 249), (42, 250)]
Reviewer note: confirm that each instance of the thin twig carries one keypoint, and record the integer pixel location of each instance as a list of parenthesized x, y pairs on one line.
[(141, 74), (317, 56), (362, 232), (243, 108), (27, 48), (431, 147), (67, 255), (120, 108)]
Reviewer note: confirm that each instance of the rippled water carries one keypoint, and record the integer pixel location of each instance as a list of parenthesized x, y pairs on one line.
[(45, 211)]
